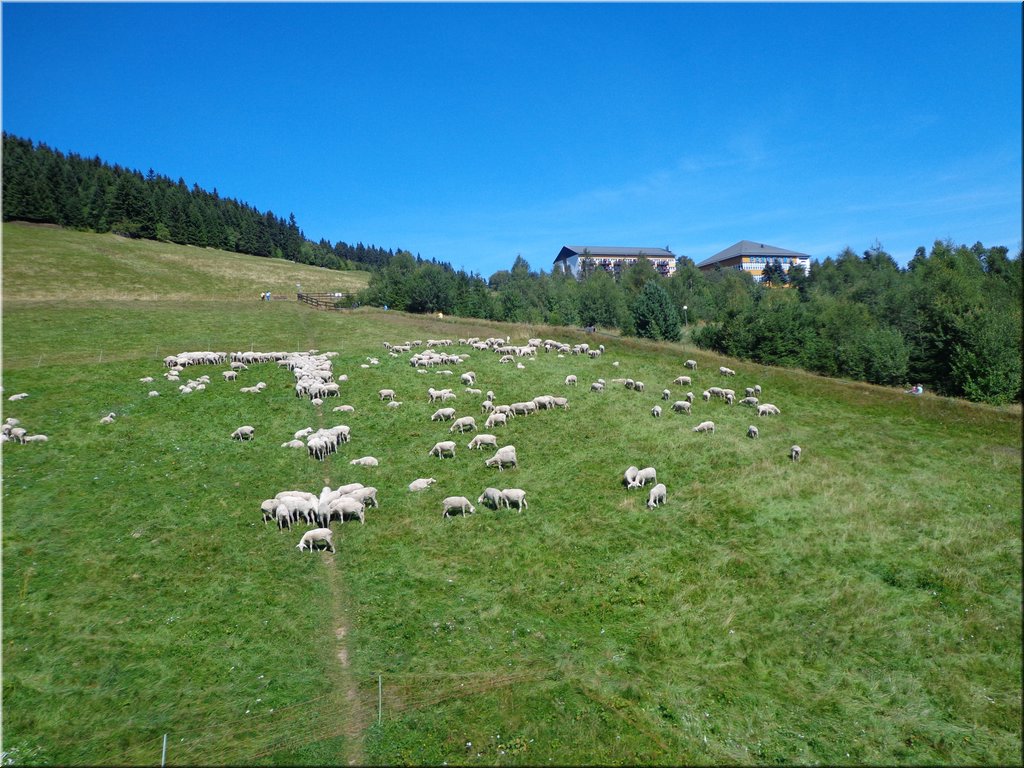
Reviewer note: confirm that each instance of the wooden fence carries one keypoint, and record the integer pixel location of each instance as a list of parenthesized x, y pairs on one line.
[(326, 300)]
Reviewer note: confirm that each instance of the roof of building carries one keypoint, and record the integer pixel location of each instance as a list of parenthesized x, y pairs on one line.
[(750, 248), (568, 251)]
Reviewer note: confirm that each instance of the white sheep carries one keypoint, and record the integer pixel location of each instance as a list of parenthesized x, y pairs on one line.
[(689, 397), (794, 453), (293, 444), (309, 538), (386, 394), (345, 408), (365, 461), (346, 505), (229, 375), (752, 432), (490, 496), (691, 364), (395, 404), (630, 476), (639, 386), (645, 475), (757, 390), (726, 371), (570, 380), (666, 394), (656, 411), (460, 503), (108, 419), (443, 414), (767, 409), (243, 433), (516, 496), (152, 393), (35, 439), (421, 484), (657, 496), (681, 406), (751, 400), (505, 455), (597, 386), (495, 419), (19, 396), (440, 449), (706, 394), (462, 424), (683, 380), (705, 427), (481, 440), (146, 379), (367, 495)]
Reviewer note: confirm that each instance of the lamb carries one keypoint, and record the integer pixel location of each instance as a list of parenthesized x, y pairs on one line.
[(656, 411), (440, 449), (752, 432), (503, 456), (421, 484), (681, 406), (794, 453), (683, 380), (243, 433), (309, 538), (386, 394), (691, 364), (495, 419), (644, 475), (516, 496), (705, 427), (657, 496), (365, 461), (491, 497), (443, 414), (108, 419), (767, 409), (460, 503), (630, 476), (481, 440), (466, 422), (570, 380)]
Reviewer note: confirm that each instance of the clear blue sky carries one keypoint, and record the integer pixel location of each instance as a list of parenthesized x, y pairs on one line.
[(472, 133)]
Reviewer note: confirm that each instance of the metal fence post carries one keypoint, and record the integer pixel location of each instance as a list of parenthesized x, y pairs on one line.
[(163, 755)]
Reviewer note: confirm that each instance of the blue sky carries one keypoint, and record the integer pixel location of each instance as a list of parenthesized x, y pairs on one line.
[(471, 133)]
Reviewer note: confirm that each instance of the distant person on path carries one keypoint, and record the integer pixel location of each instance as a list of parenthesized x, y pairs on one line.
[(917, 389)]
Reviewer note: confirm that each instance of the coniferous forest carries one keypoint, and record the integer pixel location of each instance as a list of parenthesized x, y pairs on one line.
[(950, 320)]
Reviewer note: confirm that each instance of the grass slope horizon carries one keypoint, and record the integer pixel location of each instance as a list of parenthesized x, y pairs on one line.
[(860, 607)]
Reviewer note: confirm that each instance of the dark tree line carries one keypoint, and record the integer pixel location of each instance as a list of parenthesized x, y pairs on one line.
[(44, 185)]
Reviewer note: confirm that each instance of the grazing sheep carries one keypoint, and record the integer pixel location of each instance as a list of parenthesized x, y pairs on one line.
[(666, 394), (691, 364), (767, 409), (386, 394), (683, 380), (346, 505), (146, 379), (468, 378), (466, 422), (560, 402), (367, 495), (597, 386), (749, 391), (490, 497), (152, 393), (505, 455), (443, 414), (657, 496), (460, 503), (749, 400), (726, 371), (630, 476), (656, 411), (794, 453), (440, 449), (495, 419), (395, 404), (570, 380), (481, 440), (365, 461), (706, 394), (689, 397), (345, 408), (293, 444), (681, 406), (730, 398), (309, 538), (705, 427), (757, 390), (630, 383), (281, 515), (19, 396), (243, 433), (18, 434), (421, 484), (229, 375), (516, 496), (35, 439), (752, 432), (643, 476), (639, 386), (108, 419)]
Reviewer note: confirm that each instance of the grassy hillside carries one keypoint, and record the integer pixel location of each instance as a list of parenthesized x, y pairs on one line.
[(46, 263), (860, 607)]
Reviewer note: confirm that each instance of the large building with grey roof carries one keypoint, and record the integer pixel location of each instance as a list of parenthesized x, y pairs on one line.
[(752, 257), (584, 259)]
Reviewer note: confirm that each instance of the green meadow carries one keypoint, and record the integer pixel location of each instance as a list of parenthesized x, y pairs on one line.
[(860, 607)]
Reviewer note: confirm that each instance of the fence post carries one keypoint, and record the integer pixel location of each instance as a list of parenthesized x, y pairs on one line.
[(380, 698), (163, 755)]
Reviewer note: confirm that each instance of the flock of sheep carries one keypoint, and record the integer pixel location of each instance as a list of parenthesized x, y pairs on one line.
[(315, 380)]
